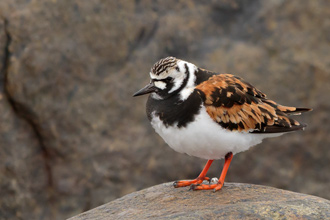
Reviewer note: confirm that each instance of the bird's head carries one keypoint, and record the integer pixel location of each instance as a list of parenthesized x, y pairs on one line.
[(169, 76)]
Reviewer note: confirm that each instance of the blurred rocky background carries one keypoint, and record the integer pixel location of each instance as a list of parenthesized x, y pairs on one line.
[(71, 135)]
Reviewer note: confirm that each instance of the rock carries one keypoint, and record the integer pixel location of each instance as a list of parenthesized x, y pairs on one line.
[(73, 138), (234, 201), (21, 160)]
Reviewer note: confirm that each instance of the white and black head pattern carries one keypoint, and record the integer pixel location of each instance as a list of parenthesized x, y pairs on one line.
[(173, 96), (172, 76)]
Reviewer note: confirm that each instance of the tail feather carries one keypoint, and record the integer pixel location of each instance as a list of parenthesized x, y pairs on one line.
[(297, 111)]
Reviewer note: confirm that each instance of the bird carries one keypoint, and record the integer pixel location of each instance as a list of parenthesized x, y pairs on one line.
[(211, 115)]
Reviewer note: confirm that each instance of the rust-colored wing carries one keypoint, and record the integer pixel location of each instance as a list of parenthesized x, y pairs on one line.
[(238, 106)]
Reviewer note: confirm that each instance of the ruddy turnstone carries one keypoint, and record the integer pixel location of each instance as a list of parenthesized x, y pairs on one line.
[(210, 115)]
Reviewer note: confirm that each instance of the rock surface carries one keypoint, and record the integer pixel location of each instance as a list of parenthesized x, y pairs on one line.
[(73, 138), (234, 201)]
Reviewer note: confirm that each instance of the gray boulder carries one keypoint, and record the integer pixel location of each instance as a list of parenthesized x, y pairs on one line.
[(233, 201)]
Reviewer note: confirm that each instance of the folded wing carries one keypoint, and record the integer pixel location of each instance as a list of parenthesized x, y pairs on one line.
[(238, 106)]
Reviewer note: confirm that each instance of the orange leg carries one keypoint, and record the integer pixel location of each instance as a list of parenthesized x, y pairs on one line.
[(198, 180), (219, 184)]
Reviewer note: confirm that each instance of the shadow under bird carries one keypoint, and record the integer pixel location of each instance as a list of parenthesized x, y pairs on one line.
[(210, 115)]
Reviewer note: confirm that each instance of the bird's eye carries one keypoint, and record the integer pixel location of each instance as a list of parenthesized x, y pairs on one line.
[(177, 68)]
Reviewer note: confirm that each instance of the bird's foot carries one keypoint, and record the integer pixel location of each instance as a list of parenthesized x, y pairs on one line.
[(183, 183), (215, 187)]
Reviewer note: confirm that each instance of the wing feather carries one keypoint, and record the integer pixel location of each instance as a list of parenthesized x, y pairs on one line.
[(238, 106)]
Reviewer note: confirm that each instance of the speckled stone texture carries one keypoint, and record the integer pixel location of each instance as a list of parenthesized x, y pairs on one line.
[(73, 138), (234, 201)]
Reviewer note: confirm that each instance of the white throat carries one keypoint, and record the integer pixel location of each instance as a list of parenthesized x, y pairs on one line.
[(189, 88)]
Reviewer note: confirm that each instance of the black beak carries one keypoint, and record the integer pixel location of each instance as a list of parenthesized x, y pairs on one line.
[(147, 89)]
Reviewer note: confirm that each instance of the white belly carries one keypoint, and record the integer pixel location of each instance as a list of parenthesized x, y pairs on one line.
[(205, 138)]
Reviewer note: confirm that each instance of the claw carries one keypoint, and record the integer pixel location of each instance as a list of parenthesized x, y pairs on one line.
[(183, 183), (215, 187), (193, 186), (198, 180)]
